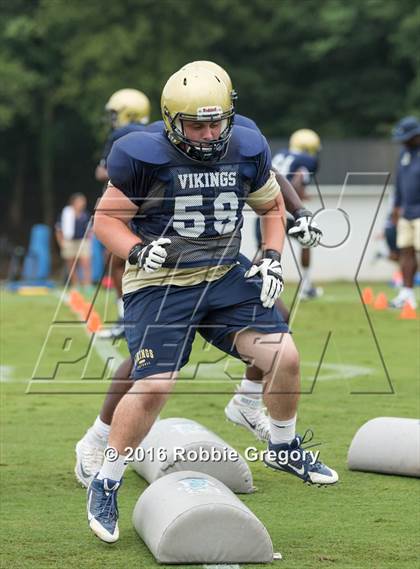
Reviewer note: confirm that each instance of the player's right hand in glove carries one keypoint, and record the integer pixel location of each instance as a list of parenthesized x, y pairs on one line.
[(305, 229), (149, 257), (270, 271)]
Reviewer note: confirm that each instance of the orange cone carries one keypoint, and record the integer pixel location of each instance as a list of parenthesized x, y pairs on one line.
[(75, 300), (367, 295), (84, 309), (94, 323), (408, 312), (381, 302)]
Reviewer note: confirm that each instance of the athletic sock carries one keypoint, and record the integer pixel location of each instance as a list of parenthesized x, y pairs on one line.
[(100, 428), (306, 278), (98, 433), (120, 307), (249, 394), (113, 470), (282, 431), (251, 388)]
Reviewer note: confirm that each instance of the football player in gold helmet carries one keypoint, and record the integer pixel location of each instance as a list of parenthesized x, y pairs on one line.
[(249, 394), (298, 165), (182, 272), (128, 111)]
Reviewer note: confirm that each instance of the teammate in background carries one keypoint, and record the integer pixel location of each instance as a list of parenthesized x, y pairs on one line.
[(183, 271), (128, 111), (390, 234), (70, 231), (298, 164), (245, 408), (406, 213)]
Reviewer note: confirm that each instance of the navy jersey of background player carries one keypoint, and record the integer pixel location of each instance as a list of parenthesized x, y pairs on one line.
[(288, 163), (198, 205), (117, 133)]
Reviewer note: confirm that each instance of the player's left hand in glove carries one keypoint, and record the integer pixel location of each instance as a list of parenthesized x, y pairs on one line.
[(270, 271), (305, 229)]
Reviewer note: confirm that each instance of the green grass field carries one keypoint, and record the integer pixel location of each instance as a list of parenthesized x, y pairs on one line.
[(366, 521)]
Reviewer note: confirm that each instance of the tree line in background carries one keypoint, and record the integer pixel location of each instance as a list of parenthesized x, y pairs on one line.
[(344, 69)]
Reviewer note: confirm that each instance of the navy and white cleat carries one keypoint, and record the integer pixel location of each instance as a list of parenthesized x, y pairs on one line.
[(293, 458), (102, 509)]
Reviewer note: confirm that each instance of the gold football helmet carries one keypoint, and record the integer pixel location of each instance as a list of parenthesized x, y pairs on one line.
[(128, 105), (305, 140), (197, 94), (217, 70)]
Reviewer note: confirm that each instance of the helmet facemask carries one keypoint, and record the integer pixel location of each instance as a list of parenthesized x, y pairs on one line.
[(112, 118), (208, 150)]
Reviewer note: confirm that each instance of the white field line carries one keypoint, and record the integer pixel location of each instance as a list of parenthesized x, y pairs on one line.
[(329, 372), (6, 374)]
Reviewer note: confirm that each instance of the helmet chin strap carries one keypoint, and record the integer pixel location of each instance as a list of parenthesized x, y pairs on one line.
[(196, 150)]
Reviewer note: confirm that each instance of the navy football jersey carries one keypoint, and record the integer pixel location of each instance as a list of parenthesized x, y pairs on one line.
[(288, 163), (119, 133), (407, 183), (198, 205)]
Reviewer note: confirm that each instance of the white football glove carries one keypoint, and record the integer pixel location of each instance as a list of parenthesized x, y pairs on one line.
[(149, 257), (269, 268), (305, 229)]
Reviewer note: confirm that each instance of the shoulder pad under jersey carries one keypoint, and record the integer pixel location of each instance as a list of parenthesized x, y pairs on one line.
[(149, 147), (250, 142), (126, 129), (157, 126), (240, 120)]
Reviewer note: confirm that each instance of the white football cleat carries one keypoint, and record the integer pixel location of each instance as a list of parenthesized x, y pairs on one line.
[(249, 412), (89, 458), (311, 293), (401, 299)]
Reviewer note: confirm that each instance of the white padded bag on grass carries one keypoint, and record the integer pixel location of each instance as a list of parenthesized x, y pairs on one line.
[(190, 517), (178, 441), (389, 445)]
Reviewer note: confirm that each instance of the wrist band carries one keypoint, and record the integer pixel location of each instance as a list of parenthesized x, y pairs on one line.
[(272, 254), (133, 254), (302, 212)]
